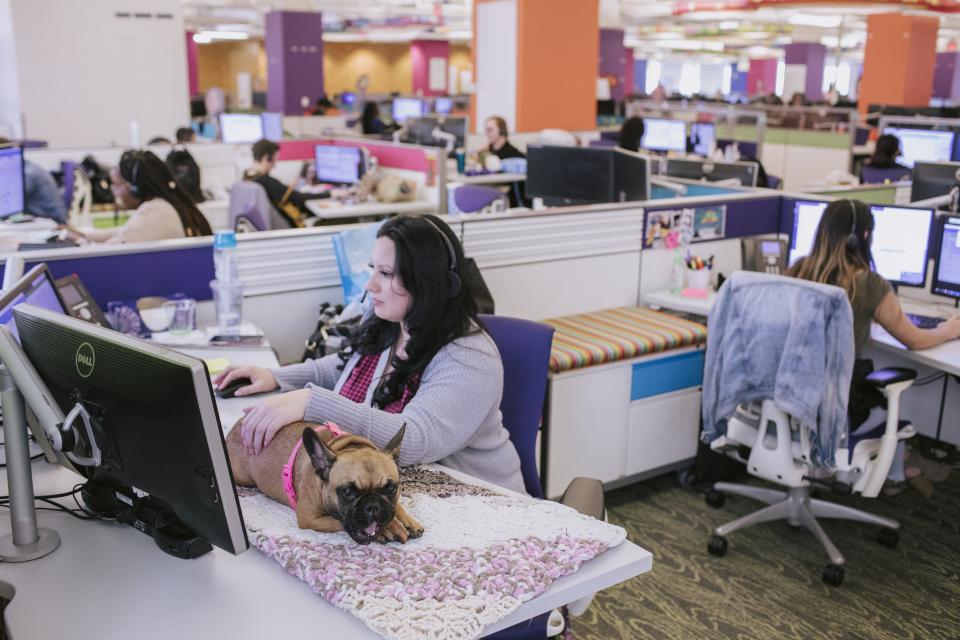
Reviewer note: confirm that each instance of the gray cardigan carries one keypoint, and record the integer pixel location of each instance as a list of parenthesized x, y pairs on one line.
[(453, 419)]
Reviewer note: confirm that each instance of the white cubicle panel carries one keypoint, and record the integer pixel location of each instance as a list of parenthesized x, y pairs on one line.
[(477, 141), (541, 265), (314, 126), (657, 264), (803, 166)]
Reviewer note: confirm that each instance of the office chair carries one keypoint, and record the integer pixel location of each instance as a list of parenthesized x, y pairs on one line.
[(880, 175), (524, 348), (773, 444), (472, 198), (251, 209)]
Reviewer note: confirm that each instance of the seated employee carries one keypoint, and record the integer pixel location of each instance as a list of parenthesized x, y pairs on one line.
[(370, 120), (630, 134), (184, 168), (142, 181), (885, 154), (496, 129), (421, 358), (835, 260), (41, 197), (290, 203)]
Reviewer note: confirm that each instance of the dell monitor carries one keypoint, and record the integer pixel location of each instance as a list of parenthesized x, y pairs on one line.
[(11, 181), (932, 179), (443, 105), (711, 171), (806, 219), (946, 270), (922, 144), (241, 128), (900, 240), (569, 176), (703, 138), (154, 427), (337, 164), (403, 108), (272, 123), (664, 135)]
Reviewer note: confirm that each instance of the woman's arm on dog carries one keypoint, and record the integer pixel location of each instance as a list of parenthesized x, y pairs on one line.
[(322, 372), (459, 393)]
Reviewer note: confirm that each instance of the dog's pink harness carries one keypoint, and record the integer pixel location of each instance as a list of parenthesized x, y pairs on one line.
[(287, 472)]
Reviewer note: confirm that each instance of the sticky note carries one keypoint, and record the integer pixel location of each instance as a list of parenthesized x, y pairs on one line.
[(217, 365)]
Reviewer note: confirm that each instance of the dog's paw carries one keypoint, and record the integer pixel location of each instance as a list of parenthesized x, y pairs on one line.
[(414, 529), (393, 532)]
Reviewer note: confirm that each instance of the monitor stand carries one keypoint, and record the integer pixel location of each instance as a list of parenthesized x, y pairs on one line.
[(26, 541)]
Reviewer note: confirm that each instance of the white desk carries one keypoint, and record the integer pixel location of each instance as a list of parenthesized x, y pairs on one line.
[(330, 210), (944, 357), (487, 178), (109, 581), (677, 302)]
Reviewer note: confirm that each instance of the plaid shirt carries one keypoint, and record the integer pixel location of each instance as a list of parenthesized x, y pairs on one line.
[(361, 377)]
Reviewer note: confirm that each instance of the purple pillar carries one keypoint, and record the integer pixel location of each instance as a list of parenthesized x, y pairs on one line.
[(762, 77), (946, 76), (193, 81), (738, 81), (294, 44), (616, 61), (812, 55), (421, 53), (639, 76)]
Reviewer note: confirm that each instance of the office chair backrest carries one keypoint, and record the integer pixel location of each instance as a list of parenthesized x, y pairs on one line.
[(249, 206), (67, 167), (470, 198), (525, 351), (878, 175)]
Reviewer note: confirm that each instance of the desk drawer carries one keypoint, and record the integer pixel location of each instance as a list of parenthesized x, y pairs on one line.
[(663, 375), (663, 430)]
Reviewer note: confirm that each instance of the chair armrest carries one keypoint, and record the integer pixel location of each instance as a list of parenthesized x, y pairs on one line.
[(881, 378), (586, 496)]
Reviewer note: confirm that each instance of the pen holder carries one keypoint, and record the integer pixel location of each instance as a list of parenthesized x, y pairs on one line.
[(698, 279)]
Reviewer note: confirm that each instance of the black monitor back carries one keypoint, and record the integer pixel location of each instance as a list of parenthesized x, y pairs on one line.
[(932, 179), (567, 176)]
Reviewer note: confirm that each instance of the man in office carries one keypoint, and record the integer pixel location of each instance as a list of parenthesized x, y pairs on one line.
[(41, 197), (496, 129)]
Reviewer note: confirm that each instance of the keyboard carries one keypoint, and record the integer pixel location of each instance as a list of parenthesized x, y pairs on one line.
[(924, 322)]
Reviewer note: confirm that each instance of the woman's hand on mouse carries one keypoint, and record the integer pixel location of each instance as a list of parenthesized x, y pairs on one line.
[(261, 423), (261, 380)]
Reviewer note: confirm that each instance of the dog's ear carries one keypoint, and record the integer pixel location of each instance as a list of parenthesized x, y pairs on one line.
[(320, 454), (393, 447)]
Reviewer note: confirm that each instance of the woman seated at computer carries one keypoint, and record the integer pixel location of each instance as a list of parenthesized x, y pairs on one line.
[(421, 358), (630, 134), (496, 129), (162, 210), (841, 256), (885, 154), (370, 121)]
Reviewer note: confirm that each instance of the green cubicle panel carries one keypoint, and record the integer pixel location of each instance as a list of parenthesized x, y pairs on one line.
[(871, 194)]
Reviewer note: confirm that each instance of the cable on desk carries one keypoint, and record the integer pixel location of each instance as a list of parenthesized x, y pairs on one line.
[(933, 377), (80, 512)]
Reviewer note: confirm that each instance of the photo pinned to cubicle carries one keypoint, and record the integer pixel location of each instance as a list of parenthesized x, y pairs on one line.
[(668, 229), (709, 223)]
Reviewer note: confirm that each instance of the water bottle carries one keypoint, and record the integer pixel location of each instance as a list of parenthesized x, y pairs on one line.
[(676, 273), (225, 256)]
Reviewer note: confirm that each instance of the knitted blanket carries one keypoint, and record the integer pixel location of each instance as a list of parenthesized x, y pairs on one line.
[(482, 555)]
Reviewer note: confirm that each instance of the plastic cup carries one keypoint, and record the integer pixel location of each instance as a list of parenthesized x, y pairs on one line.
[(228, 299), (184, 315), (698, 279)]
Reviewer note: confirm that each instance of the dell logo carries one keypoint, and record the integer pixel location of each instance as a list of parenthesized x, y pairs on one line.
[(85, 360)]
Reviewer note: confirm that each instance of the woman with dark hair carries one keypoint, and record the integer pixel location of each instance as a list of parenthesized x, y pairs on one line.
[(421, 358), (162, 210), (370, 120), (885, 153), (630, 134)]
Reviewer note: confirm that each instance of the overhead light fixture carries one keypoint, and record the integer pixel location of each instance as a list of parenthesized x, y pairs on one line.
[(209, 36), (726, 25), (815, 20)]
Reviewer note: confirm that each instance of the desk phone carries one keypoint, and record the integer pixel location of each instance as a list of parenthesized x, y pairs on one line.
[(764, 255), (78, 301)]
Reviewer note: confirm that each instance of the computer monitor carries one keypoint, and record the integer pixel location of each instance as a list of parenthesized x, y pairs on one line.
[(337, 164), (241, 128), (11, 181), (348, 98), (568, 176), (932, 179), (901, 237), (806, 219), (403, 108), (664, 135), (163, 464), (36, 287), (420, 131), (712, 171), (946, 270), (443, 105), (923, 144), (703, 137), (272, 123)]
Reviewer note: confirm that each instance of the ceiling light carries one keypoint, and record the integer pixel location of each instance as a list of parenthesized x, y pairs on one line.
[(815, 20), (729, 24), (208, 36)]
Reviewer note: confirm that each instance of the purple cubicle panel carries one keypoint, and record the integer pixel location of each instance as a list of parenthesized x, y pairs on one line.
[(615, 60), (946, 75), (294, 45), (744, 217), (812, 55)]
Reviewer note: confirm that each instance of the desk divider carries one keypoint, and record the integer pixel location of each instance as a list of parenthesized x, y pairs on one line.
[(393, 156)]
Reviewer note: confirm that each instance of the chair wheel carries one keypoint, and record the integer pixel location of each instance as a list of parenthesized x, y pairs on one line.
[(715, 498), (888, 538), (833, 575), (717, 546)]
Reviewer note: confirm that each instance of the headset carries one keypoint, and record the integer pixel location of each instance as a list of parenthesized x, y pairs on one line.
[(134, 171), (453, 278), (853, 242)]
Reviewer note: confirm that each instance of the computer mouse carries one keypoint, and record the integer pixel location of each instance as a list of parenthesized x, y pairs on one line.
[(229, 390)]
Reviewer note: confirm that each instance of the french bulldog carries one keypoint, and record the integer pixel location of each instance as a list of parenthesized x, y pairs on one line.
[(334, 482)]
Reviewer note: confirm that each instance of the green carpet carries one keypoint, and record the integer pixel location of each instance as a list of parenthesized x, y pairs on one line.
[(769, 584)]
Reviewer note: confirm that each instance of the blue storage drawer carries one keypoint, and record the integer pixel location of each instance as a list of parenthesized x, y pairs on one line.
[(663, 375)]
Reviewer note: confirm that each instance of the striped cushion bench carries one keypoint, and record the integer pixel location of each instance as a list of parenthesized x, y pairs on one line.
[(618, 334)]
